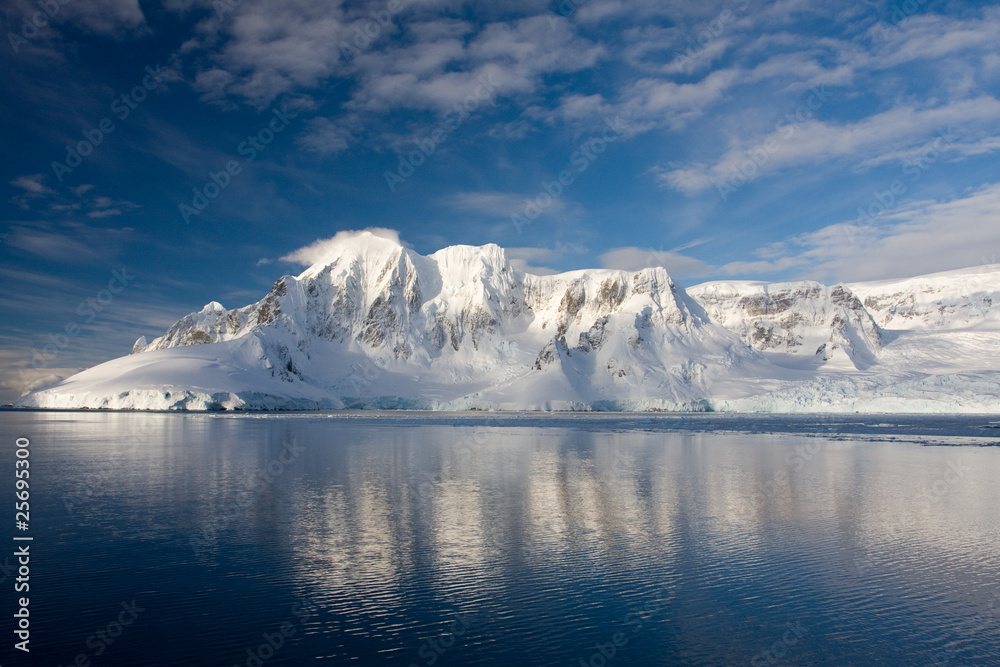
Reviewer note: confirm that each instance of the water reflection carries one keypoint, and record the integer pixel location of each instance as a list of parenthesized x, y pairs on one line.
[(546, 541)]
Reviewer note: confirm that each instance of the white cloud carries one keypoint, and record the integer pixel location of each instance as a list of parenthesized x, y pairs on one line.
[(32, 184), (104, 207), (108, 18), (261, 49), (51, 245), (325, 250), (325, 137), (649, 103), (15, 381), (69, 242), (893, 134), (36, 192), (496, 204), (677, 265), (933, 37), (512, 57), (922, 237), (530, 260), (104, 213), (918, 238)]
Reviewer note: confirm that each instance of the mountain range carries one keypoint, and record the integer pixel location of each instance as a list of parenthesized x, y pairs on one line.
[(374, 324)]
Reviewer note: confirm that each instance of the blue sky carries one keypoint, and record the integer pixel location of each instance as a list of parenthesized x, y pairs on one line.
[(193, 144)]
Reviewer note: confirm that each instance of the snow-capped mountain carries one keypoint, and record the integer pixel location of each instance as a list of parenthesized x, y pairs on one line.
[(951, 301), (826, 325), (374, 324)]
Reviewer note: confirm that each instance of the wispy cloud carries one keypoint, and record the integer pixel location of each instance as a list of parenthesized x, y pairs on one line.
[(32, 184), (893, 135), (676, 264), (68, 242), (261, 50), (920, 237), (325, 137), (931, 235), (513, 57), (108, 18), (494, 204), (533, 260)]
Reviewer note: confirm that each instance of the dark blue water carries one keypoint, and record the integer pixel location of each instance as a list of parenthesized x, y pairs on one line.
[(173, 539)]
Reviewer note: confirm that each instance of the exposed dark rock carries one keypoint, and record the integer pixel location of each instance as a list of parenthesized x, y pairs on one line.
[(196, 337)]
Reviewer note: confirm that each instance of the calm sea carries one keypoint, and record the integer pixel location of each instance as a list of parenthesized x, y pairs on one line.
[(442, 539)]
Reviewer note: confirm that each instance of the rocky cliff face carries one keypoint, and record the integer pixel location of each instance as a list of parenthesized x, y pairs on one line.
[(946, 301), (464, 317), (828, 325), (374, 324), (391, 304)]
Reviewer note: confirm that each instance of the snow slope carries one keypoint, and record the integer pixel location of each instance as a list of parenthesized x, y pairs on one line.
[(376, 325)]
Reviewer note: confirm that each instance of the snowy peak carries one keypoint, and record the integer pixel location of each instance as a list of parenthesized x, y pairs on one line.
[(480, 295), (372, 323), (395, 303), (211, 324), (370, 306), (945, 301), (461, 264), (577, 306), (805, 319), (364, 249), (373, 292)]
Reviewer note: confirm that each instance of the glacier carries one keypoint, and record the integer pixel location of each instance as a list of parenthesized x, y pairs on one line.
[(375, 325)]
